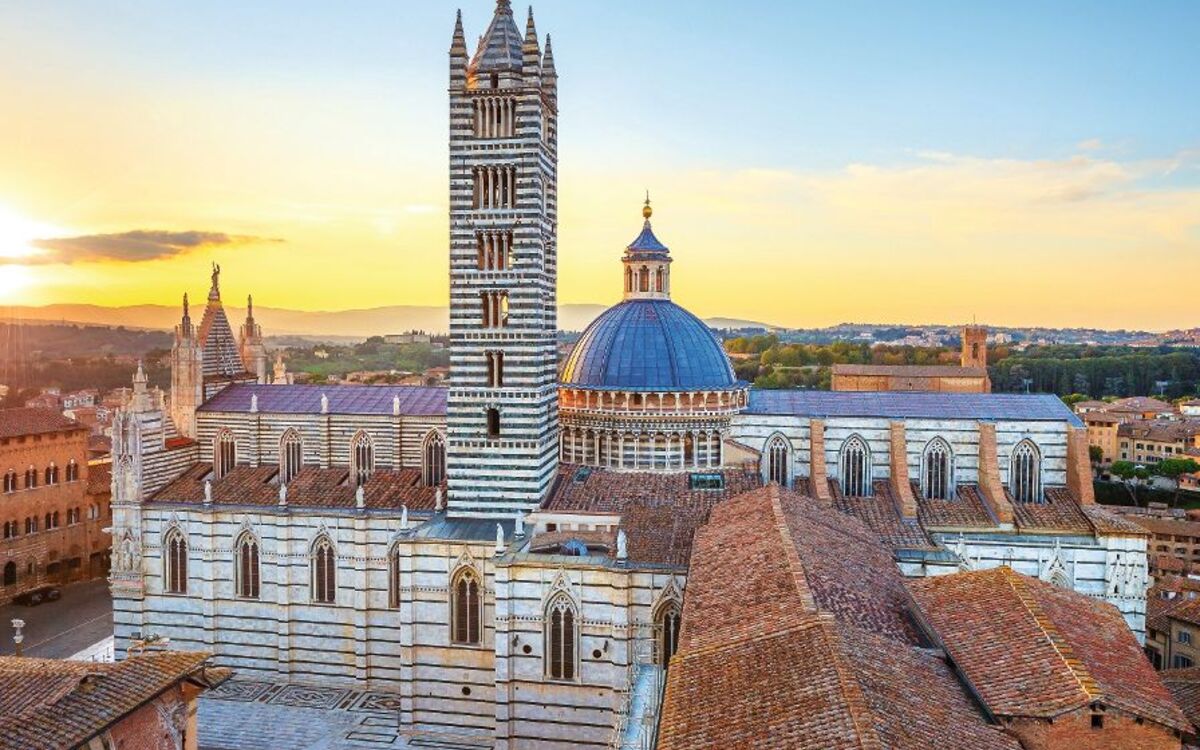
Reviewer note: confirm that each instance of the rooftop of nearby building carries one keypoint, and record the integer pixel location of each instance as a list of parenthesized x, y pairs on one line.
[(1160, 430), (57, 703), (1140, 403), (1033, 649), (313, 487), (763, 589), (908, 405), (381, 400), (1184, 685), (659, 512), (27, 420)]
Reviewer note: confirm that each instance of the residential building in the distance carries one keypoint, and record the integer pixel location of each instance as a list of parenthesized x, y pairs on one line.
[(971, 376), (146, 701), (53, 526), (1147, 442)]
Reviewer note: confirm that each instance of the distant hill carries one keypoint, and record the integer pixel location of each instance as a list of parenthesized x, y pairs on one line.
[(336, 324)]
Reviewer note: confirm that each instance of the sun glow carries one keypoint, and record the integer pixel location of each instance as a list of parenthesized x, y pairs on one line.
[(17, 234)]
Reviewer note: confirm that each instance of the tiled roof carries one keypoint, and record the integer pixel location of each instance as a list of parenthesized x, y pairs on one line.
[(1140, 403), (1184, 685), (221, 355), (906, 405), (50, 703), (911, 371), (415, 400), (1032, 649), (659, 512), (32, 420), (882, 515), (99, 478), (500, 46), (1167, 526), (313, 487), (764, 591), (1160, 430), (1058, 512), (646, 242), (966, 510)]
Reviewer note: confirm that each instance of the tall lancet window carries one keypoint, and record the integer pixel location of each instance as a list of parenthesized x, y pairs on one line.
[(247, 566), (778, 459), (291, 456), (224, 453), (1025, 473), (362, 458), (175, 562), (936, 467), (324, 571), (667, 624), (855, 468), (433, 460), (466, 607), (561, 638)]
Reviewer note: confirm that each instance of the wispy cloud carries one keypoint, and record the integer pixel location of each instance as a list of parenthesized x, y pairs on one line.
[(132, 246)]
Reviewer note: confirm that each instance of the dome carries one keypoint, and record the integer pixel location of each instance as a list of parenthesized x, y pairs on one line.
[(648, 345)]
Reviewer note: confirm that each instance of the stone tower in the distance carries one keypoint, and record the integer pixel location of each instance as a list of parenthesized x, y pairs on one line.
[(502, 421)]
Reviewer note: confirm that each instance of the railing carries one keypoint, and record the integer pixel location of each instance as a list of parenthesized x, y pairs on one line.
[(636, 723)]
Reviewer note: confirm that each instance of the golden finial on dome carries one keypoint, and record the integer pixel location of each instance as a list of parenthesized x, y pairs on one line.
[(646, 210)]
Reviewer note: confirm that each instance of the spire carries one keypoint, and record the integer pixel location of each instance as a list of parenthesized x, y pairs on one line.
[(139, 378), (250, 298), (531, 37), (214, 292), (500, 46), (458, 43), (186, 314), (548, 71)]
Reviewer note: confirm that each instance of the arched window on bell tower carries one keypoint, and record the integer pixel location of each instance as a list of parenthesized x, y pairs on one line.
[(647, 264)]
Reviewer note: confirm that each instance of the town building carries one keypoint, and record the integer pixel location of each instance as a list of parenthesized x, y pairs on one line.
[(53, 523), (144, 701), (1147, 442), (973, 659), (507, 556), (971, 376)]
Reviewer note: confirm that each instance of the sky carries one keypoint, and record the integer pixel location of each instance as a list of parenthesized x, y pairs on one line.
[(1020, 163)]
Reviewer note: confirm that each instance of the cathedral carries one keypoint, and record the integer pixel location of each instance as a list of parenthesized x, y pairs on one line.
[(508, 556)]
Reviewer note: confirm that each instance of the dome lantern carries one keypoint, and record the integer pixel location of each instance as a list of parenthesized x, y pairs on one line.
[(647, 263)]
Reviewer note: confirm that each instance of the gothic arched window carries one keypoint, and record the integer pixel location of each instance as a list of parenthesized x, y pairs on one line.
[(778, 461), (31, 478), (51, 474), (175, 560), (324, 571), (667, 624), (433, 460), (10, 481), (561, 638), (291, 456), (936, 467), (224, 453), (248, 575), (362, 458), (1025, 473), (72, 471), (466, 607), (855, 468)]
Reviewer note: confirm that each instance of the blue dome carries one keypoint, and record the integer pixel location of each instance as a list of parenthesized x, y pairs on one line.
[(648, 345)]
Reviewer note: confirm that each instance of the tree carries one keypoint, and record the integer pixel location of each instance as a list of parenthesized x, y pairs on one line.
[(1096, 454), (1172, 469), (1131, 475)]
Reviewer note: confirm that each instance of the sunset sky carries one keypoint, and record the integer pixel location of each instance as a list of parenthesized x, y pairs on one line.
[(809, 163)]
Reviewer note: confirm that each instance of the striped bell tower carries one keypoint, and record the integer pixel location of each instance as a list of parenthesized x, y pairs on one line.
[(502, 416)]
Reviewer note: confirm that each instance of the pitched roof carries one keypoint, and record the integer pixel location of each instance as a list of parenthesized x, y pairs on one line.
[(1184, 685), (221, 355), (415, 400), (763, 590), (1160, 430), (910, 405), (313, 487), (1032, 649), (911, 371), (500, 46), (33, 420), (1140, 403), (56, 703)]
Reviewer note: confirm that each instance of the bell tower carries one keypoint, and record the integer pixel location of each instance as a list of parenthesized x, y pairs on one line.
[(502, 415)]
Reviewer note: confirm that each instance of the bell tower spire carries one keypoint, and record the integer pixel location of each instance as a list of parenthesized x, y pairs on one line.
[(647, 263)]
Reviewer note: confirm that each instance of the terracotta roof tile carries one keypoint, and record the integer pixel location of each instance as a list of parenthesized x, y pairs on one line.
[(25, 420), (881, 513)]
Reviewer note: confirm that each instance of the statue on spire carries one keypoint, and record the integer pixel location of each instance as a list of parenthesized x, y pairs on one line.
[(215, 291), (185, 305)]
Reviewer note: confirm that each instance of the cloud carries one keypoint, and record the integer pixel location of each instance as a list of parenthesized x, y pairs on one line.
[(132, 246)]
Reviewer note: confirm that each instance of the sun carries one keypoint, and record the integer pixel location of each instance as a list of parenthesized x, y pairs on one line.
[(18, 253)]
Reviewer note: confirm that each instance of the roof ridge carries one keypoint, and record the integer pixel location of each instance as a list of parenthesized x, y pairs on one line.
[(795, 565), (1077, 668)]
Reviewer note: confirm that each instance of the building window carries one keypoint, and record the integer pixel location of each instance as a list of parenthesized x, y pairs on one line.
[(10, 573), (493, 423), (935, 470), (72, 471), (324, 571), (10, 529), (175, 560), (362, 458), (433, 459), (778, 461), (1178, 661), (31, 478), (51, 475), (10, 481), (248, 577), (495, 309), (495, 369), (466, 607), (31, 524), (855, 464), (495, 187), (667, 626), (1025, 473), (1184, 636), (224, 454), (494, 250), (291, 456), (560, 639)]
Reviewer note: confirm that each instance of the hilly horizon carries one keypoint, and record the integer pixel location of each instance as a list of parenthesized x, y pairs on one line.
[(277, 321)]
